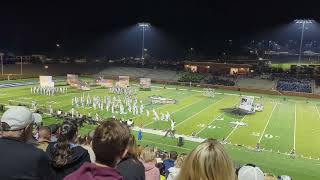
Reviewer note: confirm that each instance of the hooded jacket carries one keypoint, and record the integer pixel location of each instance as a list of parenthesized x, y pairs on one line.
[(78, 156), (131, 169), (151, 171), (173, 173), (89, 171)]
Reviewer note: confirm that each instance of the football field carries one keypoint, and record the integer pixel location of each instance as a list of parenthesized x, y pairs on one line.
[(284, 124)]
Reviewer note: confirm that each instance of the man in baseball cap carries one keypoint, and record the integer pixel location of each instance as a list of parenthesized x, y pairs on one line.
[(20, 160)]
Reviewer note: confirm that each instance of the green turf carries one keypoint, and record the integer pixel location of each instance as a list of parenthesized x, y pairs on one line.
[(284, 124)]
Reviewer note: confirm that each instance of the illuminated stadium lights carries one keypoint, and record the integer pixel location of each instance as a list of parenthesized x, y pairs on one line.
[(144, 26), (303, 22), (306, 21)]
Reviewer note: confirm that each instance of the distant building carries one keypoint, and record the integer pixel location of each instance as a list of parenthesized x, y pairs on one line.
[(212, 67), (81, 61)]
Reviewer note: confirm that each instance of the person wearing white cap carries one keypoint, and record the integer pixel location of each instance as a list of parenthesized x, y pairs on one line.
[(20, 160), (250, 172), (284, 177)]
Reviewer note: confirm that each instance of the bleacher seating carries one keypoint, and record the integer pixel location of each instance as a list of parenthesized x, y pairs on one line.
[(294, 84)]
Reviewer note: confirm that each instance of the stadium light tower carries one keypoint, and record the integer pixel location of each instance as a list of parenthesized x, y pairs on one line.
[(143, 25), (1, 57), (303, 22)]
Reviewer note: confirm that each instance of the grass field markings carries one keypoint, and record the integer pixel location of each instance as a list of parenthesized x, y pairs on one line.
[(184, 107), (209, 124), (162, 144), (236, 127), (295, 126), (317, 110), (163, 106), (264, 130), (199, 112), (214, 119)]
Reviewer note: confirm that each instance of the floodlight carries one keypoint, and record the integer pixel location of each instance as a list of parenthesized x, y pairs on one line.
[(143, 24), (303, 21)]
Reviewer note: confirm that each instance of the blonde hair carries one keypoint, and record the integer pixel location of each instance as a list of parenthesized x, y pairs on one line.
[(148, 155), (208, 161), (179, 161)]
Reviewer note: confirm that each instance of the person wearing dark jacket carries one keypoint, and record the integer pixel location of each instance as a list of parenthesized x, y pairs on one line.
[(20, 160), (110, 145), (169, 163), (65, 155), (130, 167)]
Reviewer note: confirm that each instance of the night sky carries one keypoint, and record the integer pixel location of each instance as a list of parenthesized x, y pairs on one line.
[(108, 28)]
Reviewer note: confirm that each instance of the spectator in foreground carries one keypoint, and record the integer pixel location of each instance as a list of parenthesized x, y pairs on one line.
[(169, 163), (174, 171), (251, 172), (148, 158), (110, 145), (44, 138), (20, 160), (284, 177), (207, 161), (67, 156), (86, 142), (55, 131), (130, 167)]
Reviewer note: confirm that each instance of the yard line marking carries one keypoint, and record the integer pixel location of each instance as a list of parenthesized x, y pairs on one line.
[(317, 110), (264, 130), (295, 126), (188, 105), (214, 119), (209, 124), (235, 128), (198, 113)]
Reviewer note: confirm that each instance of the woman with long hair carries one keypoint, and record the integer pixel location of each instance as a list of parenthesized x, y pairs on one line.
[(208, 161), (130, 167), (174, 171), (148, 158), (67, 156)]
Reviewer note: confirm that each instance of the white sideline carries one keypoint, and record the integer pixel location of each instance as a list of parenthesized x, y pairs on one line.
[(162, 144), (264, 130), (198, 113), (162, 133)]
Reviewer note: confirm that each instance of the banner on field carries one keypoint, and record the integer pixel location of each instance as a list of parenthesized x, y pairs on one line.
[(123, 81), (74, 81), (46, 81), (246, 103), (145, 83)]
